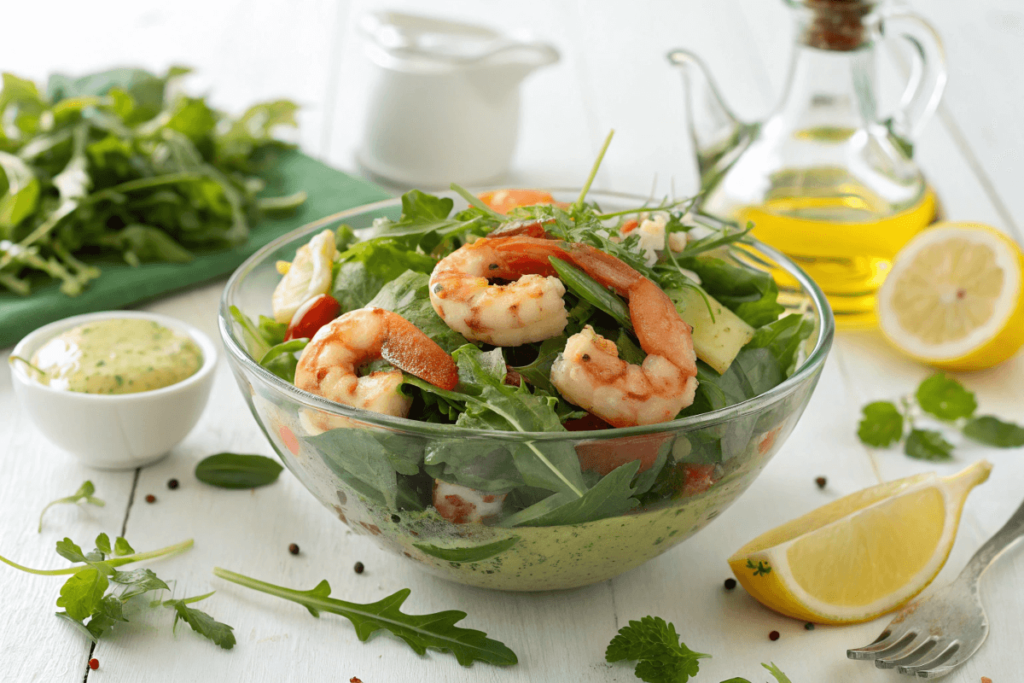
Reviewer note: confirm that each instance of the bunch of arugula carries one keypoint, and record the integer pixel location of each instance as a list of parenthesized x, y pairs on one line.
[(391, 269), (115, 163), (885, 423), (96, 593)]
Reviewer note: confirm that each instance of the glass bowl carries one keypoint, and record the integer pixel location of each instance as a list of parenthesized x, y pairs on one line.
[(370, 469)]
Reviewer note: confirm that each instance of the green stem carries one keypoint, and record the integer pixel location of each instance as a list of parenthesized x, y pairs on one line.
[(145, 184), (593, 170), (475, 201), (37, 369), (642, 209), (113, 562)]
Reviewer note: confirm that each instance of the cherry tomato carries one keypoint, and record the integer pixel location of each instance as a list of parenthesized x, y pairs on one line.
[(629, 226), (311, 316), (504, 201)]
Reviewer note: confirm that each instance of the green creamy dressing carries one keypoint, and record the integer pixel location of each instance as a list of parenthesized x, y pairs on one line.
[(118, 356)]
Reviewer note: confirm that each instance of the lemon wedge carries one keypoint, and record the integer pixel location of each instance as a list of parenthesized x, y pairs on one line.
[(955, 297), (862, 555), (308, 275)]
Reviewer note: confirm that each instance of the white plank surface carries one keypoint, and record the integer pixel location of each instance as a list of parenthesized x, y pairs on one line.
[(612, 74)]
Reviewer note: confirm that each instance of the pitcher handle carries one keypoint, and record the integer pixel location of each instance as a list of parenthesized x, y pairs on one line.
[(927, 77)]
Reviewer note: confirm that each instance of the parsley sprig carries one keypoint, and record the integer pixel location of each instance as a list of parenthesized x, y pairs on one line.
[(654, 645), (96, 593), (885, 423)]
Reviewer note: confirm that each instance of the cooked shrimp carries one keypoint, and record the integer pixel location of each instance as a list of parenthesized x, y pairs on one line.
[(530, 309), (589, 373), (330, 362), (461, 504)]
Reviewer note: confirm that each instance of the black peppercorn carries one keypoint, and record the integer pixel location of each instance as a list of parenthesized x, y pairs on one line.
[(359, 567), (774, 635), (293, 548), (172, 484), (821, 482), (730, 584)]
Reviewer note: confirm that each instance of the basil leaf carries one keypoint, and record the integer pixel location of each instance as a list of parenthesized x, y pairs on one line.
[(235, 471)]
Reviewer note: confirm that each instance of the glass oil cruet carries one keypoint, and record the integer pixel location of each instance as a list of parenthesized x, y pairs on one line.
[(823, 179)]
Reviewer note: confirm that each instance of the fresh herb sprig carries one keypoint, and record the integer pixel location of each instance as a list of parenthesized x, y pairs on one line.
[(95, 594), (116, 163), (419, 631), (885, 423), (654, 645), (82, 495)]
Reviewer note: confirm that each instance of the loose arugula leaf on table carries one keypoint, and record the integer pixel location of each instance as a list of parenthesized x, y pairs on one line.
[(654, 645), (116, 163), (945, 398), (882, 424), (96, 592), (237, 471), (994, 432), (926, 444), (419, 631), (82, 495), (201, 622)]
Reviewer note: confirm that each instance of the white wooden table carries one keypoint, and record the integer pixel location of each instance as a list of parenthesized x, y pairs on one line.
[(613, 74)]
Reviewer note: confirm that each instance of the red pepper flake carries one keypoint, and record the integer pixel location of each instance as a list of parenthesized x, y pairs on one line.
[(986, 679), (730, 584), (821, 482), (150, 498), (95, 664), (774, 635)]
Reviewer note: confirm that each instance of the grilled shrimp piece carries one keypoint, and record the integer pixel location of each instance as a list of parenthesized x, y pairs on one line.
[(330, 362), (590, 373), (463, 505), (530, 309)]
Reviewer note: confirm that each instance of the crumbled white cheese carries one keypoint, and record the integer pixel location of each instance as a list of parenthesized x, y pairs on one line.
[(677, 241), (652, 237)]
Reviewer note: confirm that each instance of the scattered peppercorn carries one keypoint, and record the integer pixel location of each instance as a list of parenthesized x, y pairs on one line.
[(354, 680), (809, 626), (774, 635), (730, 584), (172, 484), (150, 498), (94, 663), (396, 519), (359, 567), (821, 482), (293, 548)]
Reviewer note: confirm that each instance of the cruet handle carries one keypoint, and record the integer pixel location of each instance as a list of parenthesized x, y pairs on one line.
[(927, 77)]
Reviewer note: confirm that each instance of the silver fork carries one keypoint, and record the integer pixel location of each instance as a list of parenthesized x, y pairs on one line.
[(931, 637)]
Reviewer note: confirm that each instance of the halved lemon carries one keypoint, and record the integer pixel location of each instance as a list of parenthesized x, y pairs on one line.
[(955, 297), (307, 276), (862, 555)]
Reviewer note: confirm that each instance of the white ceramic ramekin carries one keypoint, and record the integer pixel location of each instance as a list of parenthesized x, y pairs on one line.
[(120, 431)]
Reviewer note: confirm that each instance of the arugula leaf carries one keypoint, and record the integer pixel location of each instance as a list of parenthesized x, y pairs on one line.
[(611, 496), (783, 338), (590, 290), (425, 221), (469, 554), (925, 444), (356, 454), (994, 432), (777, 673), (752, 372), (237, 471), (655, 645), (421, 632), (882, 424), (82, 495), (945, 398), (283, 358), (201, 622), (407, 296), (538, 372)]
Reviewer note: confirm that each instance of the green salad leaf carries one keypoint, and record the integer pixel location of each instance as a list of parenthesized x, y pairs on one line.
[(927, 444), (751, 294), (882, 425), (994, 432), (419, 631), (654, 645), (407, 296), (611, 496), (84, 494), (366, 267), (945, 398), (237, 471)]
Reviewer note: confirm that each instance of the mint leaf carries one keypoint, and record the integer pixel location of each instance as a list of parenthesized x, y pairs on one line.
[(419, 631), (945, 398), (925, 444), (882, 424), (655, 645), (82, 495), (994, 432), (202, 623)]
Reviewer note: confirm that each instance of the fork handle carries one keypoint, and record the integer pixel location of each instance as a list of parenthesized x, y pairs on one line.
[(1012, 531)]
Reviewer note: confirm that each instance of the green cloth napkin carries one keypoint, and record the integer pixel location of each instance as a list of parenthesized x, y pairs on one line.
[(121, 285)]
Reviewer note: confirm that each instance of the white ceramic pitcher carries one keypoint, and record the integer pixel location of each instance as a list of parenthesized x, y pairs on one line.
[(444, 100)]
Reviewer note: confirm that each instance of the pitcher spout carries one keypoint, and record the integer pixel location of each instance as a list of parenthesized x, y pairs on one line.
[(714, 129)]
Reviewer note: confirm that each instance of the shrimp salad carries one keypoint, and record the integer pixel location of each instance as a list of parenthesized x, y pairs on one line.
[(522, 314)]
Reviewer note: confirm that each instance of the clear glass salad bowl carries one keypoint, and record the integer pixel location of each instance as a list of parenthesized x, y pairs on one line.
[(374, 471)]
